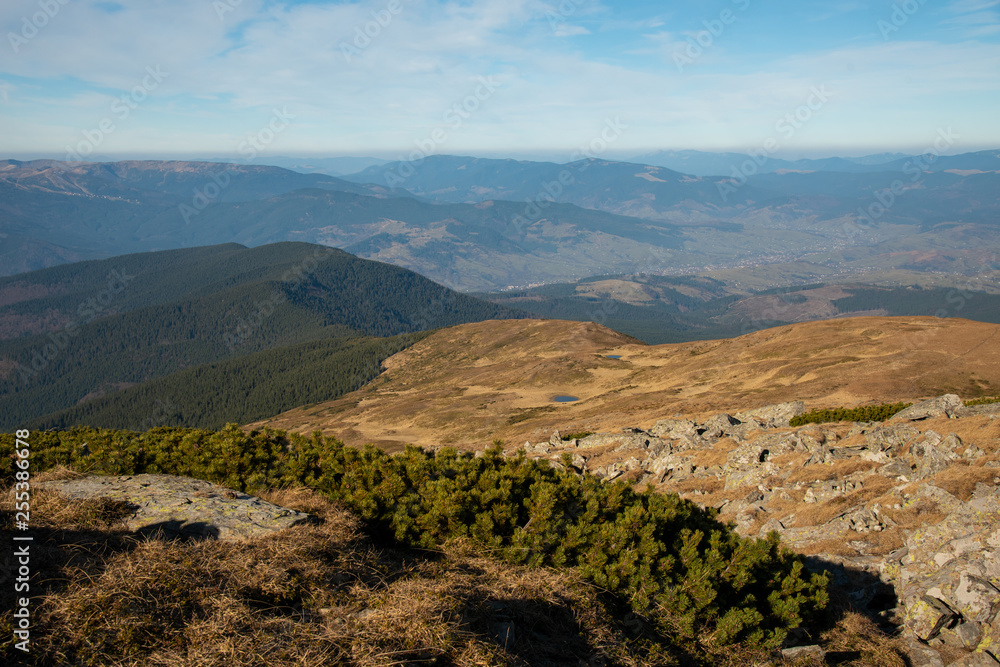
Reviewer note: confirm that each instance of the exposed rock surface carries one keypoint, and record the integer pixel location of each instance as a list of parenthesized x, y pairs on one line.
[(905, 514), (183, 507)]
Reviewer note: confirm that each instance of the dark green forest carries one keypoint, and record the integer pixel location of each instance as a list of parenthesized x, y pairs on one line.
[(246, 389), (113, 324)]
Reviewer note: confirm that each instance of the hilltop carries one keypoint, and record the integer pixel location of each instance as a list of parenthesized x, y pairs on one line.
[(469, 384)]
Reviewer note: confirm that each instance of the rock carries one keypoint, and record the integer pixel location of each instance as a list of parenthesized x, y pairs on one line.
[(986, 409), (969, 634), (982, 659), (718, 426), (950, 575), (183, 507), (773, 416), (976, 598), (890, 438), (675, 429), (921, 656), (928, 616), (624, 441), (803, 652), (948, 405)]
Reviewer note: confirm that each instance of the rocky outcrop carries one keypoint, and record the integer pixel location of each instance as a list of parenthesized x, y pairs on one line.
[(948, 405), (183, 507), (918, 555), (948, 576)]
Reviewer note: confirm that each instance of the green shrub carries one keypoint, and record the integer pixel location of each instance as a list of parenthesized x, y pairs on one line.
[(868, 413), (985, 400), (670, 560)]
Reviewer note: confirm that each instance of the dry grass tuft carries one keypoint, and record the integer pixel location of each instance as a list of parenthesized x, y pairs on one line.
[(960, 479), (873, 486), (858, 639), (829, 471), (321, 594)]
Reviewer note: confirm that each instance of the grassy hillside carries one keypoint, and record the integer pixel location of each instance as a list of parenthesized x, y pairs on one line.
[(116, 323)]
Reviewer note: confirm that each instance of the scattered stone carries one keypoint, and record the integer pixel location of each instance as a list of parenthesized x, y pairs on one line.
[(942, 586)]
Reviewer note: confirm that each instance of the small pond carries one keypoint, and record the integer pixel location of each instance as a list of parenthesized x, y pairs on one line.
[(565, 399), (612, 356)]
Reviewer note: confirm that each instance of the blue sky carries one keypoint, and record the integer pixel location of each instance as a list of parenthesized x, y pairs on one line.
[(247, 78)]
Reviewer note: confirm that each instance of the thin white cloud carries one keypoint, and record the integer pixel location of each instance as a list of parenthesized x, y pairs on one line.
[(354, 83)]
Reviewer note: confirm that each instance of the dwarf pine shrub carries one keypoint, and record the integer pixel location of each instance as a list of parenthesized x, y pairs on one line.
[(868, 413), (672, 561)]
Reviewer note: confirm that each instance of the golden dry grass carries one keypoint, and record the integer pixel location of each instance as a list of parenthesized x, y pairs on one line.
[(498, 378), (960, 479), (873, 486), (311, 595), (836, 470)]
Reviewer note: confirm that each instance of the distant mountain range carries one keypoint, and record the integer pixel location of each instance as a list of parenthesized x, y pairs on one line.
[(331, 166), (479, 224), (700, 163), (80, 334)]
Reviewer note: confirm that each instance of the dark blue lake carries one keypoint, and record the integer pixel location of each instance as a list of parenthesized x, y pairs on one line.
[(612, 356), (565, 399)]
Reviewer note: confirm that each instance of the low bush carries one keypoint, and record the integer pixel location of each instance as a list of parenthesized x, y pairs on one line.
[(674, 564), (868, 413)]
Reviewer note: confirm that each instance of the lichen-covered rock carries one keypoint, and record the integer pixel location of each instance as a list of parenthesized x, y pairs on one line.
[(675, 429), (948, 405), (949, 580), (183, 507), (979, 659), (890, 438), (718, 426), (773, 416)]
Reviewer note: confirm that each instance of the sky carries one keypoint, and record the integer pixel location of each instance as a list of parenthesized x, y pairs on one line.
[(400, 78)]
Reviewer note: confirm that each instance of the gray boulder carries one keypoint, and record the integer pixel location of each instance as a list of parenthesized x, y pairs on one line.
[(773, 416), (948, 405), (183, 507)]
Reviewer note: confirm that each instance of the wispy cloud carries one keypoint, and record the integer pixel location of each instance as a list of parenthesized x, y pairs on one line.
[(360, 77)]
